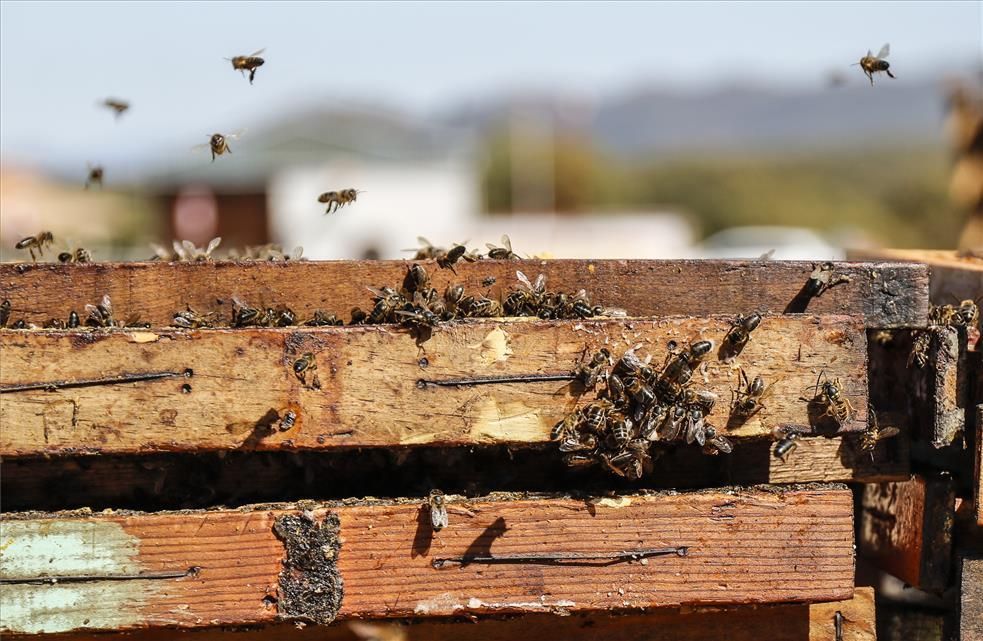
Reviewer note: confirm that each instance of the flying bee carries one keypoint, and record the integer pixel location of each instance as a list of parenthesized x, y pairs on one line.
[(218, 144), (589, 373), (190, 319), (303, 365), (787, 437), (322, 318), (871, 64), (94, 177), (829, 394), (426, 250), (80, 255), (4, 312), (338, 199), (248, 63), (36, 242), (447, 259), (438, 510), (921, 346), (502, 253), (739, 334), (117, 105), (746, 400), (822, 279), (872, 435)]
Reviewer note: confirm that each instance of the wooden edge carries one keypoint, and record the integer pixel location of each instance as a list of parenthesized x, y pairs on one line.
[(970, 568), (813, 622), (906, 529), (259, 565), (886, 294), (234, 389), (978, 473), (952, 278)]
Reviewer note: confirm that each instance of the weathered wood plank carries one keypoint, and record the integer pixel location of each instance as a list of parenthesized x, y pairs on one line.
[(243, 383), (886, 294), (906, 529), (953, 278), (978, 468), (800, 622), (971, 598), (744, 547)]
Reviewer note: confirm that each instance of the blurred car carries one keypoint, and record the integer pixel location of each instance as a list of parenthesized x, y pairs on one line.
[(786, 243)]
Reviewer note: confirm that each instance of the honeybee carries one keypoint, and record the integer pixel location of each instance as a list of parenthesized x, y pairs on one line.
[(117, 105), (218, 144), (426, 250), (823, 278), (695, 426), (526, 300), (101, 315), (589, 373), (416, 279), (480, 307), (80, 255), (417, 316), (36, 242), (739, 334), (73, 320), (288, 420), (717, 441), (94, 177), (438, 510), (303, 365), (447, 259), (502, 253), (787, 437), (244, 315), (673, 424), (488, 281), (631, 462), (871, 64), (829, 393), (620, 428), (187, 251), (679, 369), (247, 63), (965, 315), (921, 346), (322, 318), (872, 435), (338, 199), (746, 400), (190, 319), (4, 312)]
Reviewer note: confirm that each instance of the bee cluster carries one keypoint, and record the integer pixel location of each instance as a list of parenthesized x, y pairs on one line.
[(965, 315), (639, 405), (187, 252)]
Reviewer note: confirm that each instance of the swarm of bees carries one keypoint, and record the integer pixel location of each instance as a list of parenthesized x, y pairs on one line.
[(249, 63), (637, 406), (871, 64), (447, 258)]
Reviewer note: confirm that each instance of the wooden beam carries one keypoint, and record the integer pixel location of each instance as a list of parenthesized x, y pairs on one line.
[(241, 383), (800, 622), (970, 569), (123, 571), (906, 529), (978, 468), (953, 277), (886, 294)]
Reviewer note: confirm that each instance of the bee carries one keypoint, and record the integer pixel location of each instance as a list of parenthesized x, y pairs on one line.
[(653, 418), (576, 441), (426, 250), (717, 441), (80, 255), (244, 315), (36, 242), (620, 429), (94, 177), (589, 373), (101, 315), (54, 323), (73, 319), (679, 369), (525, 301), (438, 510), (338, 199), (872, 435), (117, 105), (579, 459), (702, 399), (416, 280), (187, 251), (190, 319), (502, 253), (248, 63), (19, 324), (417, 316), (358, 316), (631, 462), (829, 393), (740, 334), (385, 300), (871, 64), (921, 346), (288, 420), (4, 312), (596, 416), (479, 307), (447, 259), (695, 426), (453, 296), (303, 365), (838, 626), (746, 400), (487, 281), (218, 144), (673, 424), (322, 318), (965, 315), (567, 426), (822, 279), (787, 437)]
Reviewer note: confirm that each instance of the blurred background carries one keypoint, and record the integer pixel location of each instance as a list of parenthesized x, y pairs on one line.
[(655, 130)]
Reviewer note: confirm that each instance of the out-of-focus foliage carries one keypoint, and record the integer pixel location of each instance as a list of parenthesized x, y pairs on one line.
[(898, 195)]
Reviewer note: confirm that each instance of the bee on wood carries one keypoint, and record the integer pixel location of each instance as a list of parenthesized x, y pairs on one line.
[(746, 400), (480, 307), (438, 510), (596, 416), (101, 315), (304, 365), (54, 323), (426, 250), (73, 320), (829, 394), (218, 144), (416, 280), (118, 106), (447, 259), (966, 314), (652, 419), (702, 399), (502, 253), (526, 300), (673, 424), (579, 460), (80, 255), (188, 252), (679, 369), (4, 312), (739, 334), (288, 420), (358, 316), (248, 63), (822, 279), (871, 64), (488, 281), (921, 347), (873, 435), (787, 437), (695, 428), (386, 301), (190, 319), (20, 324), (322, 319), (589, 373), (282, 316), (418, 316), (620, 428), (36, 242), (338, 199), (94, 177), (716, 441), (631, 462)]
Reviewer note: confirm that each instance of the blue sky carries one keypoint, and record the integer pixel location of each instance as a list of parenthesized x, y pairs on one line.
[(58, 59)]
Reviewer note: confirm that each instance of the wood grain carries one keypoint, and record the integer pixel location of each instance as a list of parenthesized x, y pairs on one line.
[(906, 529), (971, 598), (978, 468), (886, 294), (952, 278), (745, 547), (813, 622), (243, 383)]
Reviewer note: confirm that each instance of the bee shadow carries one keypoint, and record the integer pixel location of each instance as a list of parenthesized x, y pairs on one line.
[(727, 352), (424, 533), (262, 429), (801, 301), (481, 546), (820, 420)]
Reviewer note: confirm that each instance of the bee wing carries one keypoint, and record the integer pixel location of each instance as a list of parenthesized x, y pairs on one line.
[(507, 242), (256, 53), (616, 312), (202, 147), (888, 432), (885, 51), (768, 390), (212, 244), (107, 304), (523, 279), (297, 253), (92, 310), (190, 249), (235, 135), (237, 302), (159, 251), (423, 242), (540, 284), (722, 443)]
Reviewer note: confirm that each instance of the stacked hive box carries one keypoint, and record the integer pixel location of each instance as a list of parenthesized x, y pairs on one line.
[(159, 418)]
